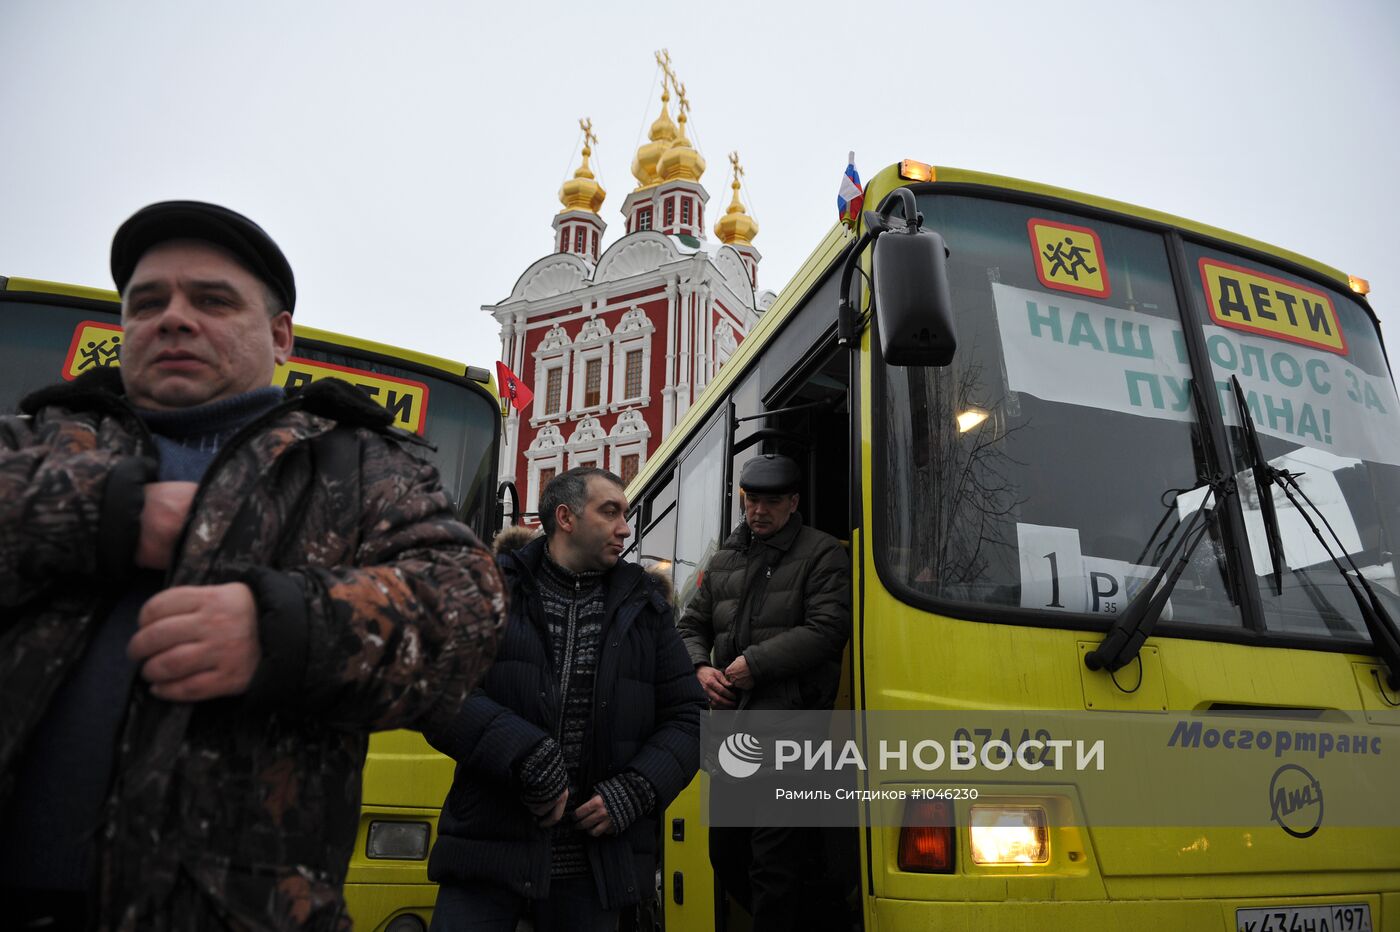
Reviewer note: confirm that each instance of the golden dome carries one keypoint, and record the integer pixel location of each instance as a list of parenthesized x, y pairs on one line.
[(583, 192), (681, 162), (662, 134), (736, 227)]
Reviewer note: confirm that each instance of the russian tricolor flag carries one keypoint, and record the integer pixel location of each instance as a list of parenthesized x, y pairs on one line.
[(851, 196)]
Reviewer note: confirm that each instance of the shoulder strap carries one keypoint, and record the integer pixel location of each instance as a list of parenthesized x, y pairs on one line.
[(337, 454)]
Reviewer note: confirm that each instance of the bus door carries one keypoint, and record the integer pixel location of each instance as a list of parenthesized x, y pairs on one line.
[(797, 401)]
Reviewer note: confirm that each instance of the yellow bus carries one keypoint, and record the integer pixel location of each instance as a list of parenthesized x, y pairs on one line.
[(54, 331), (1077, 450)]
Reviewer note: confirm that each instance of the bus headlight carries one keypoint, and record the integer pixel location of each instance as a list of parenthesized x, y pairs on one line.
[(1008, 835), (397, 841)]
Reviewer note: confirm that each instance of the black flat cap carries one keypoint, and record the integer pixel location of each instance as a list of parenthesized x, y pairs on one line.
[(770, 474), (209, 222)]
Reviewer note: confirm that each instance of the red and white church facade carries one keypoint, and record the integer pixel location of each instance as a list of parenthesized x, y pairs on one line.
[(618, 341)]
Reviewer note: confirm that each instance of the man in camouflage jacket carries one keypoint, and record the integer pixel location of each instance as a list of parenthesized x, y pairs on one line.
[(315, 587)]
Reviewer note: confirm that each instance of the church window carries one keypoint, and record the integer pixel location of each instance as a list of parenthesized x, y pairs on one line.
[(580, 240), (633, 387), (554, 384), (670, 211), (630, 465), (643, 218), (592, 383), (685, 211)]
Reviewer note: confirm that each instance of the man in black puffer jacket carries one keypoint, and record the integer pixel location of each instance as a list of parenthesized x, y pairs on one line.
[(765, 631), (585, 728)]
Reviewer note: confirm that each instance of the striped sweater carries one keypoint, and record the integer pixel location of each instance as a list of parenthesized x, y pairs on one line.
[(574, 605)]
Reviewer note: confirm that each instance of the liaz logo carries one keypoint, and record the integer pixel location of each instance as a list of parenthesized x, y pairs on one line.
[(740, 755), (1295, 801)]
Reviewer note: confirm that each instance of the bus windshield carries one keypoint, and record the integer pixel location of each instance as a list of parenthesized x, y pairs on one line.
[(458, 421), (53, 337), (1051, 466)]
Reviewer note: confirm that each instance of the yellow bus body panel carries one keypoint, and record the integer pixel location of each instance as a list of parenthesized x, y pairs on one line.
[(405, 780)]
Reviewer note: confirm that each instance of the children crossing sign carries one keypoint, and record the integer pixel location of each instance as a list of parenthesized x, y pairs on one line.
[(1068, 258), (407, 401), (94, 346), (1243, 299)]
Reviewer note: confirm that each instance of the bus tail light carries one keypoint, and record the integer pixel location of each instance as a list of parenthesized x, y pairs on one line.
[(926, 840), (1005, 835)]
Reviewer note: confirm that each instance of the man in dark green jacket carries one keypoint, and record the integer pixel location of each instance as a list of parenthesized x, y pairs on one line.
[(766, 630)]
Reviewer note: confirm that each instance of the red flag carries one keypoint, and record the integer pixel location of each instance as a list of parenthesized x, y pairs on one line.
[(510, 386)]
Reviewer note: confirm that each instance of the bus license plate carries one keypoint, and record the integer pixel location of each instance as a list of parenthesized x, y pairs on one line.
[(1353, 917)]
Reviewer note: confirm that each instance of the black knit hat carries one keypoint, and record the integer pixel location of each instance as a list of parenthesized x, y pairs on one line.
[(770, 474), (209, 222)]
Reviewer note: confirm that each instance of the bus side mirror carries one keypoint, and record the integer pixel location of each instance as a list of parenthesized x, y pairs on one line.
[(912, 299)]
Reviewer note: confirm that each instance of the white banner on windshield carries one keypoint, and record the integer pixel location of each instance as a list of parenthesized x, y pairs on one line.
[(1077, 352)]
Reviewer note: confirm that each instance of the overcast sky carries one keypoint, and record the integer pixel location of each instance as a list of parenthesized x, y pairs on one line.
[(408, 156)]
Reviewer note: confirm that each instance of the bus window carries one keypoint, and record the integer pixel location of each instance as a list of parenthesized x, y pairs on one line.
[(1319, 392), (657, 546), (745, 399), (976, 498), (699, 510), (659, 501), (791, 349), (632, 554), (826, 460)]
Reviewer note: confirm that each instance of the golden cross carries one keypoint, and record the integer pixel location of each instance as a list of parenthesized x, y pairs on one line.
[(663, 58), (738, 169), (586, 124), (684, 106)]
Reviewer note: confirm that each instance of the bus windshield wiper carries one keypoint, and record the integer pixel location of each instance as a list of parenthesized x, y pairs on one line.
[(1381, 626), (1384, 633), (1265, 475), (1134, 626)]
